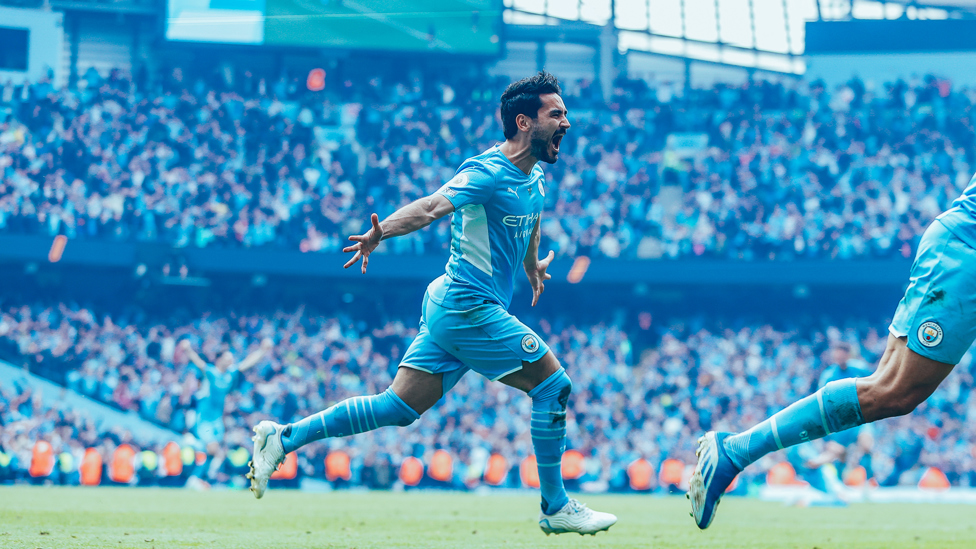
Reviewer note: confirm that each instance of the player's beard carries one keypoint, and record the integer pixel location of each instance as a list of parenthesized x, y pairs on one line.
[(539, 145)]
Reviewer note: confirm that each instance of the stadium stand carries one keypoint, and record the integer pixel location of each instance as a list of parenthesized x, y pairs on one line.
[(758, 171), (631, 402)]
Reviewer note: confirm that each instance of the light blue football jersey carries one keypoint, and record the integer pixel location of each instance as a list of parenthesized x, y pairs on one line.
[(960, 219), (496, 206), (211, 406)]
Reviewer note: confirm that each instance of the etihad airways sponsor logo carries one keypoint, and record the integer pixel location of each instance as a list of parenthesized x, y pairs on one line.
[(520, 220)]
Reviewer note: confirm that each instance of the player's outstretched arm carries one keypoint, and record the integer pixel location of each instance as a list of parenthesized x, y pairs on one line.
[(535, 268), (412, 217), (192, 355), (252, 359)]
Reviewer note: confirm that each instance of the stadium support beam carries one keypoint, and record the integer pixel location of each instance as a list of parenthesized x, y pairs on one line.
[(73, 60), (606, 59), (115, 7)]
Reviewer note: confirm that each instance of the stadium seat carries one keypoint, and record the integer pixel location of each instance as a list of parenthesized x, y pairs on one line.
[(529, 472), (337, 466)]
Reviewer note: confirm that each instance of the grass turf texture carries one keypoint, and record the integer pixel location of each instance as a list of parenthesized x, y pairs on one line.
[(125, 518)]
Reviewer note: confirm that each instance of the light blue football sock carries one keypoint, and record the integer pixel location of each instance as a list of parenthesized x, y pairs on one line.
[(832, 409), (548, 428), (349, 417)]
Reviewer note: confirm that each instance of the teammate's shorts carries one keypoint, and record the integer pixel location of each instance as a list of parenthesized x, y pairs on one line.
[(938, 312), (210, 431), (485, 339)]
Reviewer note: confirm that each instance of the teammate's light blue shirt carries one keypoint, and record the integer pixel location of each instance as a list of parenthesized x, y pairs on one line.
[(960, 219), (211, 406), (496, 208), (835, 373)]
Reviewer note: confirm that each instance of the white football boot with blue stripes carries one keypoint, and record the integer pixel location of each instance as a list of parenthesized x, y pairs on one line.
[(713, 475), (268, 455), (576, 517)]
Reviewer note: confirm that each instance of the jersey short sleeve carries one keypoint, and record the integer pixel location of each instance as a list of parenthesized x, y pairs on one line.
[(473, 184)]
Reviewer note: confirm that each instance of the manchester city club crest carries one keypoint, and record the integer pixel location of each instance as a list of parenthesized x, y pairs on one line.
[(530, 344), (460, 180), (930, 333)]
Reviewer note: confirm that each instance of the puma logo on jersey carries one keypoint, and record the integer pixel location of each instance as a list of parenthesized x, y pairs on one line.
[(514, 191)]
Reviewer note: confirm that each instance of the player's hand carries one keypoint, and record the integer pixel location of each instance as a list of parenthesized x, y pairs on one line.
[(267, 343), (365, 244), (184, 345), (538, 276)]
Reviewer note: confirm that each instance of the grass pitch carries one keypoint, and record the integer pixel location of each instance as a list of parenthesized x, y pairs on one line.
[(125, 518)]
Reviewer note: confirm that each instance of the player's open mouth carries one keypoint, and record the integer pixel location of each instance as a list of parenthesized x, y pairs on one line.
[(555, 141)]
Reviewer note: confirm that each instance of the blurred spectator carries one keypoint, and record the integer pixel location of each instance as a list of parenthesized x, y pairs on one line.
[(627, 403), (758, 171)]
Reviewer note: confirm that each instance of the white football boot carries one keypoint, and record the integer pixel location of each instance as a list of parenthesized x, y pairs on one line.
[(268, 455), (576, 517)]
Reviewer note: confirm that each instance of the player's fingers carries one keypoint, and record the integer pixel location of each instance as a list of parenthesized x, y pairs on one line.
[(376, 222), (357, 237), (547, 260), (365, 262), (352, 261), (353, 248)]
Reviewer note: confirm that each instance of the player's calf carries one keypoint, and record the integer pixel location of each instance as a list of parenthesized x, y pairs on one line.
[(349, 417)]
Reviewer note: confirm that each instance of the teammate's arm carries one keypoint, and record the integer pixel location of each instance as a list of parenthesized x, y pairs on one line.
[(412, 217), (252, 359), (192, 355), (535, 268)]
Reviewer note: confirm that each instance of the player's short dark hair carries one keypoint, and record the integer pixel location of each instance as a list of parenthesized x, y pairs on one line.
[(522, 97)]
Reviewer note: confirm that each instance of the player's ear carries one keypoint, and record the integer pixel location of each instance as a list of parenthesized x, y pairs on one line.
[(523, 122)]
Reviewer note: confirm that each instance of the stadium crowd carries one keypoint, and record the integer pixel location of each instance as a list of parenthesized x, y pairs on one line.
[(757, 171), (647, 393)]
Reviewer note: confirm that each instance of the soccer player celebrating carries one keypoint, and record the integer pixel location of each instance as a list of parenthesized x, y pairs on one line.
[(219, 379), (497, 199), (933, 327)]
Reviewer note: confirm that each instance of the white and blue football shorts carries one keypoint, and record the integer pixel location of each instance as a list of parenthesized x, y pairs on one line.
[(938, 312), (210, 431), (486, 339)]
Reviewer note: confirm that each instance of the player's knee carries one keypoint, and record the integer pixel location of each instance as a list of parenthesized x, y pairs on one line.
[(404, 420), (905, 402), (398, 412), (880, 399), (565, 387)]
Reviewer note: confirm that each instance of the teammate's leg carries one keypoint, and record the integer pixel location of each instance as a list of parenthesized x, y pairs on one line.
[(903, 380), (412, 393), (932, 328)]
